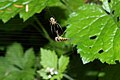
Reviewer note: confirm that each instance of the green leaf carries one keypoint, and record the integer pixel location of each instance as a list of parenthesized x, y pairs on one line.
[(106, 6), (16, 65), (57, 77), (43, 74), (27, 74), (95, 33), (60, 47), (4, 65), (52, 68), (63, 62), (114, 5), (48, 59), (29, 58), (15, 54), (72, 4), (7, 71), (54, 3), (9, 9), (35, 6), (15, 49)]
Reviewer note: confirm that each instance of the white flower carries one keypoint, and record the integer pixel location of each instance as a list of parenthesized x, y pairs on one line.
[(47, 69), (55, 72), (49, 76), (51, 69), (52, 73)]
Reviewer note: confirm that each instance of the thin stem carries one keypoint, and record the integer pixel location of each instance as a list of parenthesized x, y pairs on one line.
[(67, 5), (43, 29), (68, 77), (35, 26)]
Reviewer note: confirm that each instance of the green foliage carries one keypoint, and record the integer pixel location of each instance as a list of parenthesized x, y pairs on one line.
[(60, 47), (72, 4), (92, 28), (48, 59), (63, 62), (8, 9), (17, 65), (53, 67), (95, 31)]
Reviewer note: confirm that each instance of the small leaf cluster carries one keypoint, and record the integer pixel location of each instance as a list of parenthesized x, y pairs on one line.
[(18, 65), (53, 67)]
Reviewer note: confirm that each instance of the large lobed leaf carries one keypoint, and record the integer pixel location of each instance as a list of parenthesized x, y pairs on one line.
[(17, 65), (95, 32), (9, 8)]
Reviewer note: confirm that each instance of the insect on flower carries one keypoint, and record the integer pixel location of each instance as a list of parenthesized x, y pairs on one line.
[(55, 26)]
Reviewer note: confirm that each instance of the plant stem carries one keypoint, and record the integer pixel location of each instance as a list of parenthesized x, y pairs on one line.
[(68, 77), (43, 29)]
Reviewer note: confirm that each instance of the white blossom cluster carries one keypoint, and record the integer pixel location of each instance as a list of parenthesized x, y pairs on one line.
[(51, 72)]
